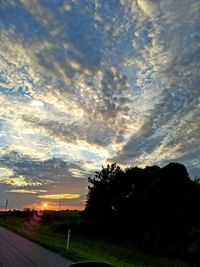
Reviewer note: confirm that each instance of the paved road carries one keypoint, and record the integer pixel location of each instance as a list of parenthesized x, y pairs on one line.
[(16, 251)]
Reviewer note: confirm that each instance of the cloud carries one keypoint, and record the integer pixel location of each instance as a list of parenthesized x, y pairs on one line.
[(19, 181), (149, 7), (38, 10), (6, 172), (60, 196), (78, 173), (106, 91), (174, 116), (49, 175), (25, 191)]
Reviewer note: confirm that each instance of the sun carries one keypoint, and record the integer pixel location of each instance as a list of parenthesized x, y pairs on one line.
[(45, 205)]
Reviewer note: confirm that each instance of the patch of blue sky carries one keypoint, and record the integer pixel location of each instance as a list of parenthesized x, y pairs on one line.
[(4, 131), (87, 34), (3, 125), (3, 172), (20, 92), (40, 137), (91, 156), (86, 39), (149, 26), (118, 49), (23, 22), (110, 10), (59, 152), (55, 4)]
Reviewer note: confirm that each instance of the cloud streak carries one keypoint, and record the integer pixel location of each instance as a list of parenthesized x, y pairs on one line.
[(60, 196), (24, 191)]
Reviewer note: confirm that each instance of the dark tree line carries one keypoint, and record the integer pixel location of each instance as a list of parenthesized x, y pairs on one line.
[(156, 208)]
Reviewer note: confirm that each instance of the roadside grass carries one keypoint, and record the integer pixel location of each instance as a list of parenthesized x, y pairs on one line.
[(82, 248)]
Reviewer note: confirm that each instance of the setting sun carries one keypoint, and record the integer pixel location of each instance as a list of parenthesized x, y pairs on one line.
[(45, 205)]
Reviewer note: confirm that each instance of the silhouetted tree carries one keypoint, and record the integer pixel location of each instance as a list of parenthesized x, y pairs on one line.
[(156, 207), (101, 203)]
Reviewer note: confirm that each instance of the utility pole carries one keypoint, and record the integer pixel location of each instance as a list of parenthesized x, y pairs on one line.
[(68, 239), (6, 206)]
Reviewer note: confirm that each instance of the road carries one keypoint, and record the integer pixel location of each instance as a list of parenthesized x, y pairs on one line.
[(16, 251)]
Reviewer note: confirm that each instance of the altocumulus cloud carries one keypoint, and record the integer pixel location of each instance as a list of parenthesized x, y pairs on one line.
[(83, 83)]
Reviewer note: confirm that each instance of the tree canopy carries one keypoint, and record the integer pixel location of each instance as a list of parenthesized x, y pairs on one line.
[(156, 207)]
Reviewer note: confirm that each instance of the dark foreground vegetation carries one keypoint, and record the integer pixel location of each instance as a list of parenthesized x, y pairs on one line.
[(51, 232), (155, 209), (152, 210)]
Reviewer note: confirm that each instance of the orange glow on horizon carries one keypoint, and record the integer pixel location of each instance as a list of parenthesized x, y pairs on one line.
[(52, 206)]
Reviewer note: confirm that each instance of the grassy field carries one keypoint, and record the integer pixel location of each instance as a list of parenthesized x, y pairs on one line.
[(50, 230)]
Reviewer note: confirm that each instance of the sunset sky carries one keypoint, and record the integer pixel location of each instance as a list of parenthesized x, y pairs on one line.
[(84, 83)]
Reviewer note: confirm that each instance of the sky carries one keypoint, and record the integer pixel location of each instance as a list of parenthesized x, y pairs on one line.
[(85, 83)]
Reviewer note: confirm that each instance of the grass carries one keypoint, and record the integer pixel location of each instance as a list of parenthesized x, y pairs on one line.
[(81, 248)]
